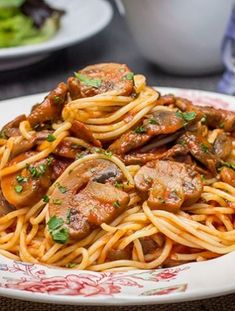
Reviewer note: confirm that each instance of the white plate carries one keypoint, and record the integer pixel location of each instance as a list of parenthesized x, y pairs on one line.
[(53, 285), (82, 20)]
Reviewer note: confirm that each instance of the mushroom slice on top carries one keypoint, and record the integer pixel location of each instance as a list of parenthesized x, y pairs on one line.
[(169, 184), (85, 198)]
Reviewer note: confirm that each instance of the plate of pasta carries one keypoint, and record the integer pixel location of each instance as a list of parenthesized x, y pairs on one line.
[(115, 192)]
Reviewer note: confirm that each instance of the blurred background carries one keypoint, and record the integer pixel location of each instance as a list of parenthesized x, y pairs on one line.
[(150, 40)]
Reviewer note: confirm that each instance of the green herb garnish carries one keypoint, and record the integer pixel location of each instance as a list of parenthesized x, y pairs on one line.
[(108, 153), (51, 137), (61, 188), (60, 236), (228, 164), (18, 188), (57, 201), (45, 198), (116, 204), (186, 116), (204, 148), (21, 179), (221, 125), (93, 82), (57, 100), (71, 265), (128, 76), (140, 130), (153, 121), (55, 223), (118, 185), (68, 216), (58, 233)]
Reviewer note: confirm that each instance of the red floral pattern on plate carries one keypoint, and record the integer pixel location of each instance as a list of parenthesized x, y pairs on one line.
[(81, 283)]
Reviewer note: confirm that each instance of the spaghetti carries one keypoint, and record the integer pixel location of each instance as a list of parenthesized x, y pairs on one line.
[(68, 203)]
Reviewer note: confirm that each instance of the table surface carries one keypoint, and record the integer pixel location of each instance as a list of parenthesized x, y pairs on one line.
[(113, 44)]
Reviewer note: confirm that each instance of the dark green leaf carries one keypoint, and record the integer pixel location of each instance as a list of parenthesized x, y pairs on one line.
[(51, 138), (60, 236), (18, 188), (45, 198), (140, 130), (153, 121), (204, 148), (93, 82), (186, 116), (55, 223), (21, 179)]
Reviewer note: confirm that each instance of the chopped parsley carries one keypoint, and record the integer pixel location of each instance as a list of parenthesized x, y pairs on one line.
[(18, 188), (93, 82), (153, 121), (37, 172), (71, 265), (116, 204), (68, 216), (140, 130), (49, 161), (203, 177), (51, 137), (204, 148), (57, 201), (186, 116), (57, 100), (228, 164), (128, 76), (221, 125), (21, 179), (98, 150), (108, 153), (118, 185), (122, 69), (61, 188), (80, 155), (45, 198), (58, 232)]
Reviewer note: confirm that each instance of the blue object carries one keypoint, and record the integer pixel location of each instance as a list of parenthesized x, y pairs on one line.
[(227, 83)]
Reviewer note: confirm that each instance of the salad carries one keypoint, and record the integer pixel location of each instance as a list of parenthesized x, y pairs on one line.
[(24, 22)]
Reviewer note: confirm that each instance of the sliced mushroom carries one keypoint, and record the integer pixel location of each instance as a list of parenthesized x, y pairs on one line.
[(26, 187), (89, 203), (169, 184), (223, 146)]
